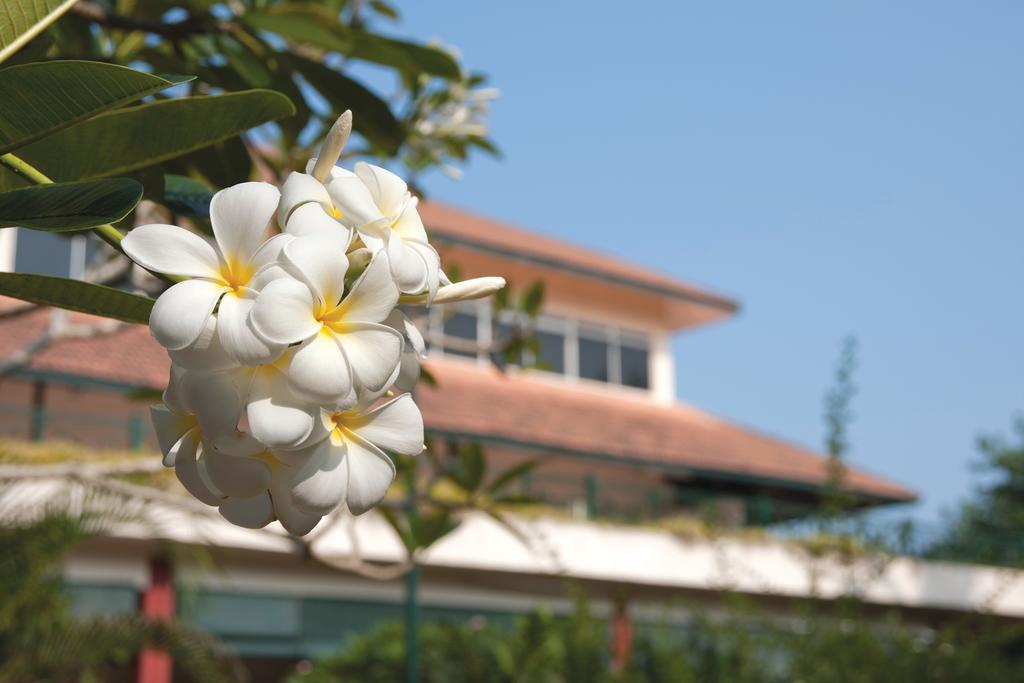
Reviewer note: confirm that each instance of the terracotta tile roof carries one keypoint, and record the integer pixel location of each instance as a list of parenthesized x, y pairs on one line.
[(448, 223), (482, 402), (123, 355), (519, 408)]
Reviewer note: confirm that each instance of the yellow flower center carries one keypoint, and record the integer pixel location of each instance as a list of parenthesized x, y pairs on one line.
[(236, 274)]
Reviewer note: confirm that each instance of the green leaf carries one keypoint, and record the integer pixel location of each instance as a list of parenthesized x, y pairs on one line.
[(43, 97), (512, 474), (319, 27), (21, 20), (372, 117), (226, 163), (469, 466), (409, 58), (135, 137), (303, 24), (67, 207), (76, 295), (532, 299), (187, 196)]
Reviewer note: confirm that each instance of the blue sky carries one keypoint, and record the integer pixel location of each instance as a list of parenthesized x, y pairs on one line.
[(841, 167)]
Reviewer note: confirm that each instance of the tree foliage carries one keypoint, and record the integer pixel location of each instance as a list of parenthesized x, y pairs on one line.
[(842, 645), (989, 528), (39, 639)]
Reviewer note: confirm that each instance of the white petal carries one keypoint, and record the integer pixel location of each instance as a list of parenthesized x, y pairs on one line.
[(240, 215), (180, 314), (215, 400), (276, 417), (237, 335), (409, 225), (320, 262), (283, 313), (370, 473), (407, 266), (353, 199), (169, 429), (312, 219), (389, 191), (320, 484), (395, 426), (172, 393), (250, 513), (191, 471), (236, 476), (408, 372), (433, 261), (414, 339), (173, 250), (298, 190), (373, 296), (373, 352), (294, 521), (318, 371), (269, 252), (205, 353)]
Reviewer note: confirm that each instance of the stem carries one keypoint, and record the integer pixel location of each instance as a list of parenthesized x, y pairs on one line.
[(107, 232)]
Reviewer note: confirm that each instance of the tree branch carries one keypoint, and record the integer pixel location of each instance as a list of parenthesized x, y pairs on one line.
[(175, 32)]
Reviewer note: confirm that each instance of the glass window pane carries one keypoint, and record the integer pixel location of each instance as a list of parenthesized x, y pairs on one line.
[(503, 333), (634, 367), (551, 351), (593, 359), (460, 326)]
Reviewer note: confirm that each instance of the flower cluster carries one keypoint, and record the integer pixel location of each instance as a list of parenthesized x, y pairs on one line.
[(289, 353)]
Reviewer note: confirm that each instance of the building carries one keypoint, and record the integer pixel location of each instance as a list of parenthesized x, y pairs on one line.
[(620, 455)]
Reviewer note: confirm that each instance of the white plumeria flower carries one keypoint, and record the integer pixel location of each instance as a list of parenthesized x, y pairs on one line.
[(226, 275), (414, 350), (415, 264), (307, 209), (350, 464), (199, 411), (345, 350)]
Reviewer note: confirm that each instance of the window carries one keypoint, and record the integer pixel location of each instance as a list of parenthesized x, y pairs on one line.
[(551, 351), (634, 366), (593, 359), (460, 326), (592, 352)]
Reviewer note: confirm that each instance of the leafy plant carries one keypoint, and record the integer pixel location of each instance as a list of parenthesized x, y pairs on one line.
[(39, 640)]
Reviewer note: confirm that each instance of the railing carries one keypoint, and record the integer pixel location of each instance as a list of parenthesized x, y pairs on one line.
[(90, 428)]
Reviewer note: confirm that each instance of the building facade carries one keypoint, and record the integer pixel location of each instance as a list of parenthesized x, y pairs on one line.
[(594, 401)]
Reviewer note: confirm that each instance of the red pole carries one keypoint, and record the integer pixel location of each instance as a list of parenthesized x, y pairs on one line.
[(621, 637), (157, 602)]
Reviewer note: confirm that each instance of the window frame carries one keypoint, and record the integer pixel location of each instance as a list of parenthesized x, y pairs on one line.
[(571, 329)]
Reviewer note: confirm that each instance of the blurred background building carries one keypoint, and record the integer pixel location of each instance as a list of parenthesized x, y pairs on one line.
[(629, 482)]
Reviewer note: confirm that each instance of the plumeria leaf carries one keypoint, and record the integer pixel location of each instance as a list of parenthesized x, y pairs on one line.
[(305, 24), (76, 295), (21, 20), (319, 27), (532, 299), (512, 474), (372, 117), (427, 528), (469, 467), (67, 207), (135, 137), (410, 58), (401, 529), (187, 196), (43, 97)]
